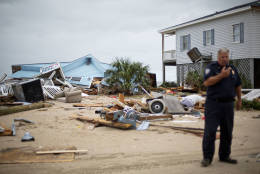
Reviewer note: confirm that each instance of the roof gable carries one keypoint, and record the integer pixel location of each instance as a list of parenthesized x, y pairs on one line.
[(222, 13)]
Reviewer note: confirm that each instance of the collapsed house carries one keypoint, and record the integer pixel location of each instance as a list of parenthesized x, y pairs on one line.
[(36, 82), (79, 72)]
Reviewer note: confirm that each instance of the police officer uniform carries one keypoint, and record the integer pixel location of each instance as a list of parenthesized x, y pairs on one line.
[(219, 111)]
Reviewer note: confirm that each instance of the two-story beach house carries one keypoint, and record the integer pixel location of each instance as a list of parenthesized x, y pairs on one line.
[(237, 28)]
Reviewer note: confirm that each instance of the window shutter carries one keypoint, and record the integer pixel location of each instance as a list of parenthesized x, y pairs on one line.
[(241, 32), (181, 43), (212, 37), (189, 42), (204, 38)]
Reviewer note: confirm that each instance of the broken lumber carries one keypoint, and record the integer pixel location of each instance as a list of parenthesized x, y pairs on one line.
[(103, 122), (60, 151), (120, 104), (196, 131), (7, 132), (15, 109), (27, 155), (121, 98), (10, 103), (89, 105), (108, 110), (154, 117)]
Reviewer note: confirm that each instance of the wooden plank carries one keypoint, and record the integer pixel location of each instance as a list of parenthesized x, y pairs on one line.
[(154, 117), (108, 110), (10, 103), (28, 155), (89, 105), (121, 98), (119, 103), (103, 122), (15, 109), (7, 132), (60, 151)]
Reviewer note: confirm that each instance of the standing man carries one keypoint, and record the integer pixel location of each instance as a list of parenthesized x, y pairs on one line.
[(223, 83)]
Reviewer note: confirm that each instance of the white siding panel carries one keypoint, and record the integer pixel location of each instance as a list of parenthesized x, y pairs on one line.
[(223, 37)]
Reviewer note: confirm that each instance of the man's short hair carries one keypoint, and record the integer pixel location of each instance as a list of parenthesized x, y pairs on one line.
[(223, 50)]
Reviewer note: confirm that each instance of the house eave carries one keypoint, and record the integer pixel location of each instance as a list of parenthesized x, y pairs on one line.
[(203, 19)]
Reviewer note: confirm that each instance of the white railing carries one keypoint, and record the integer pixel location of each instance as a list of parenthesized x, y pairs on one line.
[(169, 55)]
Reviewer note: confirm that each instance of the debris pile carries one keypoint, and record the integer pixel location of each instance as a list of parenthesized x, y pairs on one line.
[(137, 114)]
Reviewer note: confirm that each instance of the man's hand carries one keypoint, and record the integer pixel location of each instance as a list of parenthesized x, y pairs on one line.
[(225, 72), (238, 104)]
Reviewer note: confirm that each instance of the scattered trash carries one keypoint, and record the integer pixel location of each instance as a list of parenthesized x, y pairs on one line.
[(52, 91), (1, 129), (103, 122), (27, 137), (255, 117), (191, 100), (13, 128), (122, 119), (5, 131), (73, 96), (143, 126), (6, 89), (29, 91), (258, 157), (28, 155)]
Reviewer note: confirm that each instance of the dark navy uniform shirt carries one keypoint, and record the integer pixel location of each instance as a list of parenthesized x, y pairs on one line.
[(225, 88)]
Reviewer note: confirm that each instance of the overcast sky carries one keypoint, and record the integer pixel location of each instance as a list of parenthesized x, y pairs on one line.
[(42, 31)]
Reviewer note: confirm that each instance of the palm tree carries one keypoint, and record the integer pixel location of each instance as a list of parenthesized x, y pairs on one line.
[(126, 75)]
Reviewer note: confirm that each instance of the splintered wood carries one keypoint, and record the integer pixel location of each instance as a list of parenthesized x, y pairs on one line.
[(89, 105), (28, 155), (103, 122), (7, 132), (154, 117)]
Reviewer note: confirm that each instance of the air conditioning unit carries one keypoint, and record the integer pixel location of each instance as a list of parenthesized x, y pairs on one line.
[(196, 56)]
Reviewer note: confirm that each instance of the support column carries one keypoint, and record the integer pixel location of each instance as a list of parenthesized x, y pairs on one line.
[(251, 74), (163, 66)]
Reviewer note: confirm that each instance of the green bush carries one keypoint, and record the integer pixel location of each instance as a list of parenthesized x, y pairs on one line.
[(194, 80), (126, 75), (250, 104), (169, 84)]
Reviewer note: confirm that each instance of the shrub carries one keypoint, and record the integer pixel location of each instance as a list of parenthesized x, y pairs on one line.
[(126, 75), (194, 80), (169, 84), (246, 104)]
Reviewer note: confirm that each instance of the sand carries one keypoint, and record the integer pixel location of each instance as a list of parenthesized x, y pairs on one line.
[(156, 150)]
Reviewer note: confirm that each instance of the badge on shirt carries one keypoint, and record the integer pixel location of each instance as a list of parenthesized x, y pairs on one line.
[(207, 70), (233, 72)]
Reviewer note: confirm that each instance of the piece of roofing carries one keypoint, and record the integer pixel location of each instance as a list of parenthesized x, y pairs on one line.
[(80, 71)]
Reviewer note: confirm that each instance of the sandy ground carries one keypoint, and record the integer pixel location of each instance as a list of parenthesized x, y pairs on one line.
[(156, 150)]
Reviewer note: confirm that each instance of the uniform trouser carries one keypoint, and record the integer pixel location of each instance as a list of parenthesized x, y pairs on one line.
[(218, 114)]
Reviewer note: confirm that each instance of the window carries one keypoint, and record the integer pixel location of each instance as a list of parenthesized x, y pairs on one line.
[(238, 33), (208, 37), (185, 42)]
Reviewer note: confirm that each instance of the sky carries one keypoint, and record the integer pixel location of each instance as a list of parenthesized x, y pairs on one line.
[(42, 31)]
